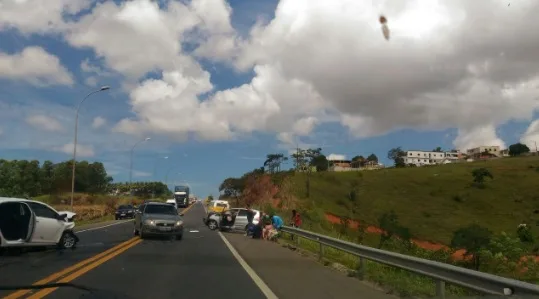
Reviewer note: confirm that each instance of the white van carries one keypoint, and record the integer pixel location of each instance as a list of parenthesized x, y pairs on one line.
[(172, 202)]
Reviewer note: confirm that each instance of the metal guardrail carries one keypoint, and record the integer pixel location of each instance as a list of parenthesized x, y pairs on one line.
[(440, 272)]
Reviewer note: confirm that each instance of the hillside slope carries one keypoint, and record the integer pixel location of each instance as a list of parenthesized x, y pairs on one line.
[(432, 201)]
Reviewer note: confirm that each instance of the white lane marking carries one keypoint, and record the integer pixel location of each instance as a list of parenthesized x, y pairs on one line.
[(105, 226), (257, 280), (193, 231)]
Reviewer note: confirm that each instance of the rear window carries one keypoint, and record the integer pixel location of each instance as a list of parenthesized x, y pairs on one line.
[(221, 205)]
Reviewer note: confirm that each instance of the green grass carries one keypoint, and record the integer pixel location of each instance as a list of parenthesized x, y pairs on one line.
[(395, 281), (433, 201)]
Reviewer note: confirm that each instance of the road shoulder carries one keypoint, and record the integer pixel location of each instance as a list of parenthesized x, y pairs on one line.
[(290, 275)]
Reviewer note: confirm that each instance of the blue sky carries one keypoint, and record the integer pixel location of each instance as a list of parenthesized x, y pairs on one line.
[(201, 162)]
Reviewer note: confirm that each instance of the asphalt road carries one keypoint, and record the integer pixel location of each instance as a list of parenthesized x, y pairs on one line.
[(199, 266)]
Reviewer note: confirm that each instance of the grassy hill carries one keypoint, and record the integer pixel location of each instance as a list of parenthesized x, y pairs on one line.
[(433, 201)]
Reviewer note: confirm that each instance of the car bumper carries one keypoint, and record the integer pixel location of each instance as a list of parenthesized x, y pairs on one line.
[(156, 230)]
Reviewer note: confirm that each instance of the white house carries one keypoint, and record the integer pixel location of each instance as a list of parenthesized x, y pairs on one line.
[(420, 158)]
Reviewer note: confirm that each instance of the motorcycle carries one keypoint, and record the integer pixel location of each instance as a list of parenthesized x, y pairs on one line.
[(69, 239)]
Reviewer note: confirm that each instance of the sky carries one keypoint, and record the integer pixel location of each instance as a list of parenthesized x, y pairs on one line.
[(216, 85)]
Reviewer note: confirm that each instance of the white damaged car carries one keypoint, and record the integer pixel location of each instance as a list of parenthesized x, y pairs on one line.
[(25, 223)]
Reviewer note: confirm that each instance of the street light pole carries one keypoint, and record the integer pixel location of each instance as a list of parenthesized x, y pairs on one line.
[(131, 165), (103, 88)]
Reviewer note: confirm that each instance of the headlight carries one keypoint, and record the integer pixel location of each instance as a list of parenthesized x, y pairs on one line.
[(179, 223), (150, 222)]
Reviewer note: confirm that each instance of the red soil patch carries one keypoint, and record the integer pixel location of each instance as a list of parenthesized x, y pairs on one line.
[(457, 255)]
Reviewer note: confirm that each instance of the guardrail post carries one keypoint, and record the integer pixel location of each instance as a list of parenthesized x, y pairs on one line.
[(297, 240), (320, 250), (360, 268), (440, 289)]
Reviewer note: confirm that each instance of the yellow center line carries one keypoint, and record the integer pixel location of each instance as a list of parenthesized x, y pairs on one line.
[(86, 266), (66, 271), (84, 270)]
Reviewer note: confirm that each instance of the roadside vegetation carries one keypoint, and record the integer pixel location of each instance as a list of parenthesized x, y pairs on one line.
[(96, 197), (480, 215)]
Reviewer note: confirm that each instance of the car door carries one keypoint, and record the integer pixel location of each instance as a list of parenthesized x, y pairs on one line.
[(241, 219), (48, 228), (138, 216), (17, 222)]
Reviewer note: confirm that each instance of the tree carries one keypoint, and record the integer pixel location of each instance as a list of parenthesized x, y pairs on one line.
[(304, 160), (320, 162), (23, 178), (437, 150), (389, 223), (518, 149), (232, 187), (397, 155), (274, 161), (473, 239), (372, 158), (210, 197), (479, 175), (358, 161)]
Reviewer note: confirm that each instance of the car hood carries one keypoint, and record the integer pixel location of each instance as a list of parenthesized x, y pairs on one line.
[(161, 217)]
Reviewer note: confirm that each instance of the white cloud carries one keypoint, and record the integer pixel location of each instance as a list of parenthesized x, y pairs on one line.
[(34, 65), (315, 62), (38, 16), (45, 123), (333, 157), (531, 136), (83, 151), (98, 122), (478, 136)]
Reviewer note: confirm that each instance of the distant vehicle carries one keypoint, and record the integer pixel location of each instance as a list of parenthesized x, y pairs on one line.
[(181, 195), (218, 206), (124, 211), (159, 219), (26, 223), (172, 202)]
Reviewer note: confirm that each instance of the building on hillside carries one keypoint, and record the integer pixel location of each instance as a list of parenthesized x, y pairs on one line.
[(483, 152), (420, 158)]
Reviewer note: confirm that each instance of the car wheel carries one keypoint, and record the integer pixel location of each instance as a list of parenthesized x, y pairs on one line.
[(117, 218), (179, 237), (67, 241), (212, 224)]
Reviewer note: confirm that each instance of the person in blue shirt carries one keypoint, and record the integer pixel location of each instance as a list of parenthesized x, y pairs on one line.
[(277, 222)]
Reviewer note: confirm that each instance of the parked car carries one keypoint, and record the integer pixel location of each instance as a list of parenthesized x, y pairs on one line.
[(125, 211), (213, 219), (26, 223), (159, 219)]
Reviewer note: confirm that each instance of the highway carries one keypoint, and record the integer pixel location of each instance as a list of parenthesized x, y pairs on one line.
[(199, 266), (205, 264)]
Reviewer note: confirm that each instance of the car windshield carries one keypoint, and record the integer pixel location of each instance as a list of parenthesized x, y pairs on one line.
[(221, 205), (161, 209), (125, 207)]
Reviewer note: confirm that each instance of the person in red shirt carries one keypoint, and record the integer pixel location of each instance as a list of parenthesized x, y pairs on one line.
[(296, 219)]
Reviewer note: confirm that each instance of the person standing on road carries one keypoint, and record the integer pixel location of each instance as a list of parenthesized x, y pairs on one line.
[(250, 225), (250, 215)]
